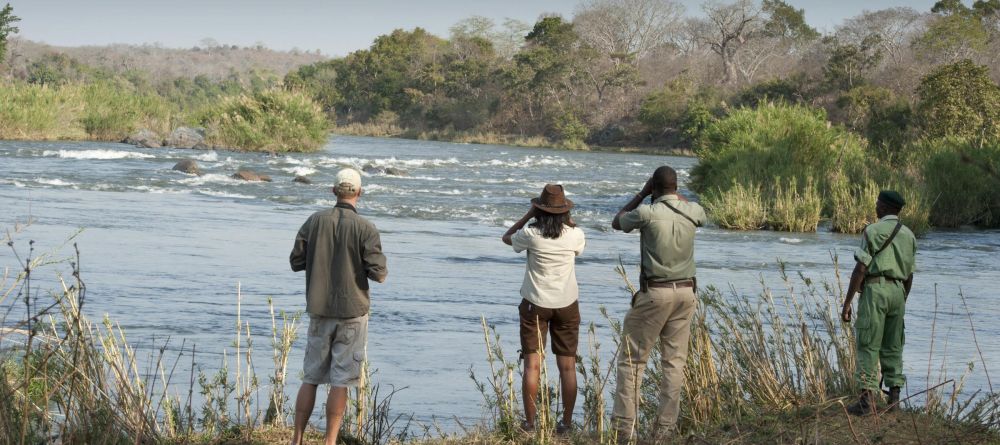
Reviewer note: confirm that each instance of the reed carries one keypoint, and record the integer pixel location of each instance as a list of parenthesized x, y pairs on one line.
[(794, 208), (268, 120), (740, 207), (853, 206)]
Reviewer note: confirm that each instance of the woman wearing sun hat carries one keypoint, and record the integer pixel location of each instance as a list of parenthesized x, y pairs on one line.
[(550, 293)]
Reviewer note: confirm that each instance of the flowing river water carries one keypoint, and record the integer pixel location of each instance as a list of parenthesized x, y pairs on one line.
[(163, 252)]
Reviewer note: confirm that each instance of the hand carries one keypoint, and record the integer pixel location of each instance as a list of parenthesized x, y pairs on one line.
[(845, 313), (506, 238), (647, 189)]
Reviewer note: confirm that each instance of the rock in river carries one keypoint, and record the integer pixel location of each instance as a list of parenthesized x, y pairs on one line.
[(144, 138), (188, 166), (250, 175), (187, 137), (302, 180)]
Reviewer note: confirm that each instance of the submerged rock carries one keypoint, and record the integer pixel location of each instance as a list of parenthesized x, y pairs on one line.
[(372, 170), (250, 175), (395, 171), (188, 166), (144, 138), (187, 137), (302, 180)]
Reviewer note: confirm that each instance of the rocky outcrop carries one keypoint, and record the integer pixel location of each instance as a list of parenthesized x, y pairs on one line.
[(376, 170), (144, 138), (188, 166), (302, 180), (187, 137), (250, 175)]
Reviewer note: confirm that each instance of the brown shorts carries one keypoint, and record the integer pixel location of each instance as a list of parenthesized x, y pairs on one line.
[(563, 323)]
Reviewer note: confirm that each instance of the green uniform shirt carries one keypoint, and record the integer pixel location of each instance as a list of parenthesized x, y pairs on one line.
[(666, 238), (897, 260)]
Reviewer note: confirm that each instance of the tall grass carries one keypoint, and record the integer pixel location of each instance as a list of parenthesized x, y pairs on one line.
[(740, 207), (40, 112), (112, 112), (795, 208), (963, 181), (853, 206), (269, 120)]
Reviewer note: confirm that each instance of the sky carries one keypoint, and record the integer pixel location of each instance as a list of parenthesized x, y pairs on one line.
[(335, 27)]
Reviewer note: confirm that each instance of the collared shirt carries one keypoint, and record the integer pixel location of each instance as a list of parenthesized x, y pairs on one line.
[(340, 251), (898, 260), (550, 273), (666, 238)]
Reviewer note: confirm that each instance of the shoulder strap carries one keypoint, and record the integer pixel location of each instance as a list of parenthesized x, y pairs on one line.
[(899, 224), (677, 211)]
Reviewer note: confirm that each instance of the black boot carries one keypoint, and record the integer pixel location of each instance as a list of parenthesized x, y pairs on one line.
[(893, 399), (864, 406)]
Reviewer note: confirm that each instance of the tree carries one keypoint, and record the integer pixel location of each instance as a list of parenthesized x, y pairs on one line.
[(627, 29), (849, 63), (786, 22), (7, 20), (959, 100), (506, 41), (895, 28), (957, 33), (725, 30)]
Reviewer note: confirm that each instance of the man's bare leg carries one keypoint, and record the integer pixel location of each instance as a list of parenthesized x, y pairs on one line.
[(336, 404), (529, 386), (304, 403), (567, 379)]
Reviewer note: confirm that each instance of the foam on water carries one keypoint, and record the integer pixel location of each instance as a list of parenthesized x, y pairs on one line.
[(207, 157), (96, 154), (790, 240), (211, 178), (300, 170), (219, 194), (55, 182)]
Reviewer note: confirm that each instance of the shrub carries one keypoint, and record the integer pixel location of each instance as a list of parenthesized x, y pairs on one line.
[(741, 207), (39, 112), (959, 100), (785, 91), (882, 117), (754, 146), (963, 184), (275, 120), (664, 109), (795, 209), (570, 130)]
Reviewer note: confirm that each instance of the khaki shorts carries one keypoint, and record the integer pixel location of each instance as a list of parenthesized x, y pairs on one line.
[(563, 323), (334, 350)]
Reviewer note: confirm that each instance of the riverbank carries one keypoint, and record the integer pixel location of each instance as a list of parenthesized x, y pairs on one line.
[(481, 138)]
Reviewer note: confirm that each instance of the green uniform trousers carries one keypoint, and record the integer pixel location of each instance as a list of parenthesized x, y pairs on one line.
[(880, 334)]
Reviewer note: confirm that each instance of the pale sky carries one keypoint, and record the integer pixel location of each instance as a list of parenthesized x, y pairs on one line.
[(336, 27)]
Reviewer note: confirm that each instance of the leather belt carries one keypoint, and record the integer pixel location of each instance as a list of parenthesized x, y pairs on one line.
[(685, 282), (881, 278)]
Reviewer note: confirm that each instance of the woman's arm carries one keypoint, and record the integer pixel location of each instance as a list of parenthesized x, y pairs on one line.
[(517, 226)]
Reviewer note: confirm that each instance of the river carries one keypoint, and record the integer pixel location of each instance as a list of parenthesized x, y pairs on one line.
[(163, 251)]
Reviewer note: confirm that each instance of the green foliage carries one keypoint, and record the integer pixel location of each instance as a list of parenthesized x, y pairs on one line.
[(270, 120), (665, 108), (787, 91), (960, 33), (963, 182), (39, 112), (7, 20), (740, 207), (570, 130), (850, 64), (55, 69), (757, 145), (697, 118), (959, 100), (787, 22), (853, 205), (881, 116)]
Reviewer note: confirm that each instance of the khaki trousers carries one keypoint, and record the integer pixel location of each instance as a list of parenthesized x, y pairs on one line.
[(658, 314)]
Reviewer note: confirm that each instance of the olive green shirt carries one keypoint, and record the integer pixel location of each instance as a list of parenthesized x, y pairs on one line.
[(340, 251), (898, 260), (666, 238)]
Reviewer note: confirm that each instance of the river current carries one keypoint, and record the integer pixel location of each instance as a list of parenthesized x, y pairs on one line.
[(162, 252)]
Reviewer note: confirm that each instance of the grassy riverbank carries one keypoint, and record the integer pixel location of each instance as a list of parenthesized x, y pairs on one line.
[(769, 368)]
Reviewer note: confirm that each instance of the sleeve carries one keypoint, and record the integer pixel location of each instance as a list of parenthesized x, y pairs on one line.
[(635, 219), (298, 257), (372, 257), (863, 253), (521, 241), (581, 242), (699, 216)]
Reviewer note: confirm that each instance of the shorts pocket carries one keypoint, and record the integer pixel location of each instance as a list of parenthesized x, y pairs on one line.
[(359, 358), (863, 328)]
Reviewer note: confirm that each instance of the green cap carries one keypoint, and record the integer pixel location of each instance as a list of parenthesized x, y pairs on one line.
[(892, 198)]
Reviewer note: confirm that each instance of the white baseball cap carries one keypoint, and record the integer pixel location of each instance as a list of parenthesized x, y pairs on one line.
[(348, 181)]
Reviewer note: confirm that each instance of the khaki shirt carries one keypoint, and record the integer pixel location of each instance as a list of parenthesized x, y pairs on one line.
[(550, 274), (897, 260), (666, 238), (340, 251)]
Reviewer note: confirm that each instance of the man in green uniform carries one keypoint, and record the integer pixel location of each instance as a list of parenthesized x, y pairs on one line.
[(884, 276)]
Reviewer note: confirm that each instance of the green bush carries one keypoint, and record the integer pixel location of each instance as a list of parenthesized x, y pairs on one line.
[(882, 117), (959, 100), (741, 207), (754, 146), (853, 205), (664, 108), (963, 183), (39, 112), (570, 130), (269, 120), (785, 91)]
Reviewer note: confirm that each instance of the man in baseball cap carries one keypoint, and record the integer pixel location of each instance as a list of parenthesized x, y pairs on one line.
[(340, 251)]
